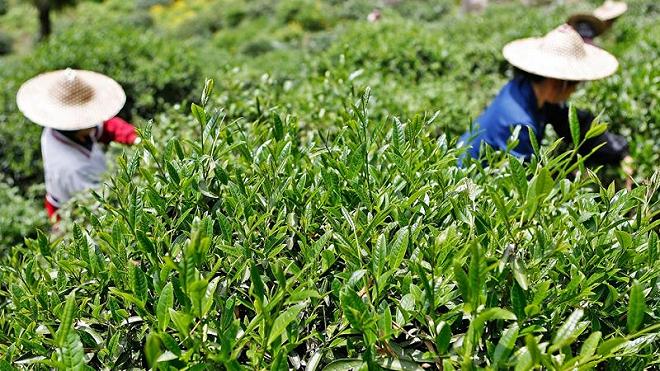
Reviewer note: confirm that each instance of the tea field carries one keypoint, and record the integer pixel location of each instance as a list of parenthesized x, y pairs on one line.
[(295, 202)]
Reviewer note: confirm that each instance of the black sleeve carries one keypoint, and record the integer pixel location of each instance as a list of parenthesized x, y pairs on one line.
[(611, 153)]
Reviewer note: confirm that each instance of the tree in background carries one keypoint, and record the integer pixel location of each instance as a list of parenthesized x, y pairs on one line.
[(5, 40), (44, 8)]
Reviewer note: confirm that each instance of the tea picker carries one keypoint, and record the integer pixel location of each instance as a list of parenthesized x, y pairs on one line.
[(547, 71), (78, 111), (600, 20), (610, 11)]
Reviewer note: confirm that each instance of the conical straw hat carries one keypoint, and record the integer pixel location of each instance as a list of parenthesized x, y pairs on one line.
[(561, 54), (610, 10), (70, 99), (577, 21)]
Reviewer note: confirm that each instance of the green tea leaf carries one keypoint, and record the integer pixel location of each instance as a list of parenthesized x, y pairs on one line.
[(533, 139), (590, 345), (462, 282), (344, 365), (476, 328), (380, 255), (152, 349), (636, 307), (611, 345), (284, 319), (505, 345), (66, 324), (567, 332), (169, 343), (258, 289), (44, 244), (533, 349), (278, 128), (397, 134), (443, 338), (518, 300), (206, 93), (314, 361), (475, 274), (182, 321), (539, 187), (447, 365), (399, 247), (574, 124), (199, 114), (595, 130), (139, 283), (354, 308), (519, 273), (196, 294), (174, 175), (518, 174), (145, 244), (207, 301), (524, 360), (72, 353), (653, 248), (165, 303)]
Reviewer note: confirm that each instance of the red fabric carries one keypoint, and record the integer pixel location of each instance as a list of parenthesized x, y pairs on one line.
[(51, 210), (118, 130)]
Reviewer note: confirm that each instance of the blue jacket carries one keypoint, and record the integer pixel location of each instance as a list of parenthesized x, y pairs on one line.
[(516, 105)]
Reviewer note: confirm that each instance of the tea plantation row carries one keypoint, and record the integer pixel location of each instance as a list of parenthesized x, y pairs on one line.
[(298, 219)]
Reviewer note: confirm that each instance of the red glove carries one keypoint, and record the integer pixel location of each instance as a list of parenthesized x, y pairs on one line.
[(51, 210), (118, 130)]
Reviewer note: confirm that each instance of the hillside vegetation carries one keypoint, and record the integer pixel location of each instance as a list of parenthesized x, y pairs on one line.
[(295, 202)]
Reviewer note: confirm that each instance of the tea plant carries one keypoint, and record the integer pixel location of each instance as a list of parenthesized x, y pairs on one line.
[(296, 220), (259, 245), (421, 57)]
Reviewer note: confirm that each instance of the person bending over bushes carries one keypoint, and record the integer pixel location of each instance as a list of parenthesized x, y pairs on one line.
[(77, 109), (547, 72), (600, 20), (610, 11)]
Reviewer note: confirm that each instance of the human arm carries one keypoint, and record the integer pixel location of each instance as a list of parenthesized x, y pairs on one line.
[(627, 165), (118, 130)]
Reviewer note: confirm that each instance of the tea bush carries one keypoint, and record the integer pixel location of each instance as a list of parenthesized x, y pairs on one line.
[(265, 245), (20, 214), (295, 219)]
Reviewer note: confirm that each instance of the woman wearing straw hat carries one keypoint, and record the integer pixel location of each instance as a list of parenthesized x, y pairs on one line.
[(610, 11), (591, 25), (77, 109), (548, 70)]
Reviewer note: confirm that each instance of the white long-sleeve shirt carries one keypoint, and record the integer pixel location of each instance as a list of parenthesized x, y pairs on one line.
[(69, 167)]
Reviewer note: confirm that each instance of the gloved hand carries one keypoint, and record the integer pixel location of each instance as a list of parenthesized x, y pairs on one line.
[(628, 169)]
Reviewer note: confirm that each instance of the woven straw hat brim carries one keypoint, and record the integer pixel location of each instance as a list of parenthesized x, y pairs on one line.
[(528, 55), (38, 104), (597, 23), (610, 10)]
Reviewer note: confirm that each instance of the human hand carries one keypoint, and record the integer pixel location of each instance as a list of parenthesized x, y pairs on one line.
[(628, 169)]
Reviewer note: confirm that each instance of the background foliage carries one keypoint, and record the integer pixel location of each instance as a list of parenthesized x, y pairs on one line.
[(296, 219)]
